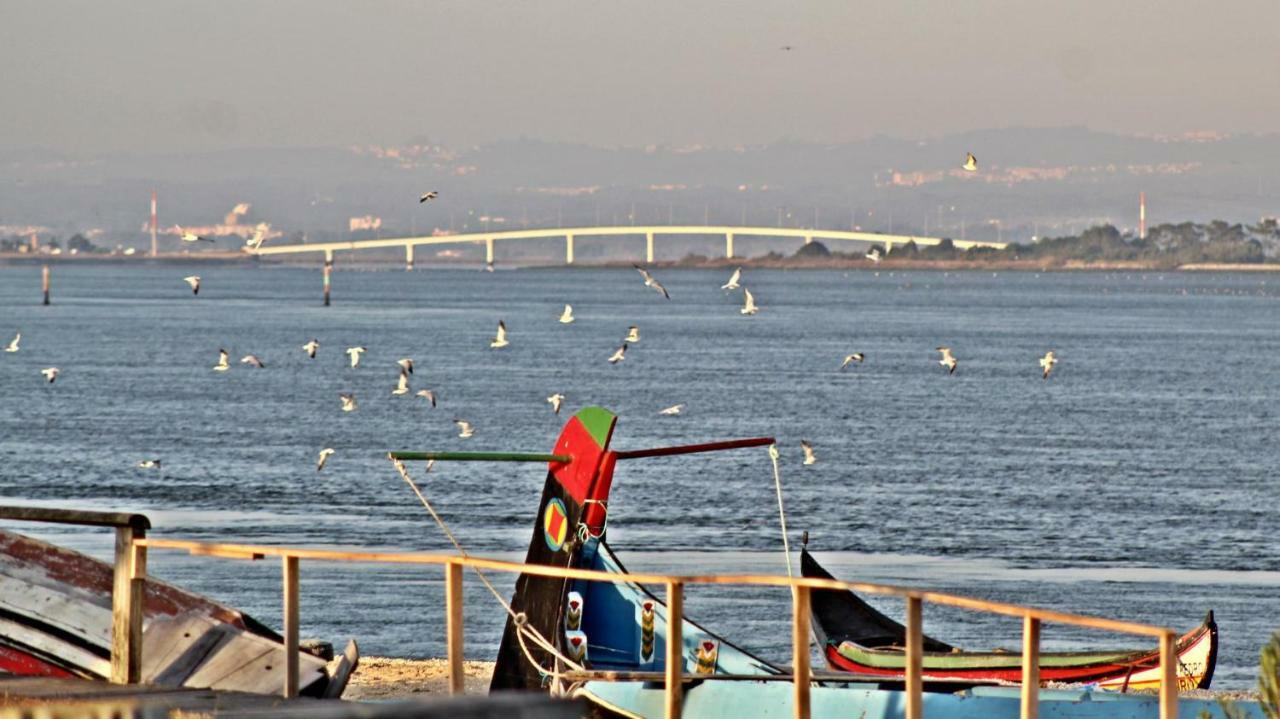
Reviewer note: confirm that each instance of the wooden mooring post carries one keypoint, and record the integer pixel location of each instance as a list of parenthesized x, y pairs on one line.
[(289, 567), (453, 627), (328, 269), (44, 282)]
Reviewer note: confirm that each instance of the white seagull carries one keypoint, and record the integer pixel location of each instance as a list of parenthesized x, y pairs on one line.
[(948, 360), (13, 345), (650, 282), (192, 237), (428, 395), (970, 162), (406, 364), (311, 347), (465, 429), (354, 353), (618, 354), (673, 410), (1047, 362), (850, 359), (633, 334), (348, 402), (222, 365), (194, 281), (402, 385), (428, 196), (567, 317), (324, 457), (749, 306), (732, 284), (149, 464), (500, 340), (50, 373), (556, 400), (252, 360), (873, 254), (809, 457)]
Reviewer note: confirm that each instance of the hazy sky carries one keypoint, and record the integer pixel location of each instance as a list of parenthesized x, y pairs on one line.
[(163, 74)]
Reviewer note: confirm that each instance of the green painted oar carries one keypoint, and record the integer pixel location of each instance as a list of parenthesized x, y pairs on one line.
[(482, 457)]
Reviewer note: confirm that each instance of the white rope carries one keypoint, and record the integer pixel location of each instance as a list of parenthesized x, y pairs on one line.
[(782, 516)]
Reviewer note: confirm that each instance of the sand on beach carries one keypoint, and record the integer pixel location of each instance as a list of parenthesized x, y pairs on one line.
[(384, 678)]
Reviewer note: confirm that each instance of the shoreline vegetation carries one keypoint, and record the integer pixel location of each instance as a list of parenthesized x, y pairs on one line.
[(1215, 247)]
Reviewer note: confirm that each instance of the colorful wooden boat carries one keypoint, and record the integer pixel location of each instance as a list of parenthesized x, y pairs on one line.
[(55, 621), (854, 637)]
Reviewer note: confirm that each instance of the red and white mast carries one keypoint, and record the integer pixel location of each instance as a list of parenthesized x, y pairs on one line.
[(153, 223)]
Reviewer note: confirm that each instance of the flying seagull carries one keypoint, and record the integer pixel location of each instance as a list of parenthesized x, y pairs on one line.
[(428, 196), (428, 395), (311, 347), (253, 360), (149, 464), (556, 400), (348, 402), (633, 334), (787, 48), (194, 281), (809, 457), (13, 345), (650, 282), (465, 429), (500, 340), (873, 254), (673, 410), (50, 373), (324, 457), (1047, 362), (850, 359), (970, 162), (948, 360), (406, 364), (618, 354), (222, 365), (402, 385), (192, 237), (567, 317), (749, 306), (354, 353), (732, 284)]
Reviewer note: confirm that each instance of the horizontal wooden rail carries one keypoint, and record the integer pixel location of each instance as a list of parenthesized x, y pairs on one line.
[(76, 516)]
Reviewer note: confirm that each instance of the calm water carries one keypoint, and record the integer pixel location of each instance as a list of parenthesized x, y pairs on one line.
[(1138, 482)]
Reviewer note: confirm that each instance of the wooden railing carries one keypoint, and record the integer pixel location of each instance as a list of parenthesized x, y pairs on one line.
[(801, 588)]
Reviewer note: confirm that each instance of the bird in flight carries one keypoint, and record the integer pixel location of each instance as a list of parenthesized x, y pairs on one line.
[(500, 340), (948, 360), (809, 456), (873, 254), (324, 457), (1047, 362), (850, 359), (149, 464), (428, 395), (223, 365), (354, 353), (252, 360), (633, 334), (194, 281), (787, 48), (649, 281), (465, 429), (618, 354), (732, 284), (556, 400), (428, 196), (402, 385), (311, 347), (192, 237), (51, 373), (970, 162), (749, 306), (13, 344), (673, 410), (406, 365), (567, 317), (348, 402)]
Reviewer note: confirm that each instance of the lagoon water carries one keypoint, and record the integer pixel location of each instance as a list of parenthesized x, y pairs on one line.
[(1138, 482)]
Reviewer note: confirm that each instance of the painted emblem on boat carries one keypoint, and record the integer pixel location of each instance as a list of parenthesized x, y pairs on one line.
[(555, 524), (573, 615), (646, 631), (577, 646), (708, 650)]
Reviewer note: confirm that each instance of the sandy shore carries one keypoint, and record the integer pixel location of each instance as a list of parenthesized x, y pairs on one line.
[(385, 678)]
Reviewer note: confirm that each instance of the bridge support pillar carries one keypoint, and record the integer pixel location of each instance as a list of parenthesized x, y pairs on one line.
[(488, 250), (728, 244), (568, 249), (648, 247), (408, 257)]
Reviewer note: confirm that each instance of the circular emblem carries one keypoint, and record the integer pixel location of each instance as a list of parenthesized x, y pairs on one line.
[(555, 524)]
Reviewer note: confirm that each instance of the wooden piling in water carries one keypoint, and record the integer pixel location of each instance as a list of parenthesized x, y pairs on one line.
[(44, 282), (328, 268)]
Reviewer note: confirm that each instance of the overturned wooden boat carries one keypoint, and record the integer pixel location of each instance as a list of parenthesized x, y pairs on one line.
[(56, 621), (855, 637)]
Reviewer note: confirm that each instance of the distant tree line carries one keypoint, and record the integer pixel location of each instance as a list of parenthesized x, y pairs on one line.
[(77, 242)]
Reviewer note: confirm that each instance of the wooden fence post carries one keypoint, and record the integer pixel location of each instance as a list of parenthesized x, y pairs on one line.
[(915, 660), (1030, 667), (453, 627), (800, 650), (127, 605), (290, 570), (1168, 676), (44, 282), (675, 650)]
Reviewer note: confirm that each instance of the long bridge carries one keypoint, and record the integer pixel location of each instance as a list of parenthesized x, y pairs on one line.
[(649, 232)]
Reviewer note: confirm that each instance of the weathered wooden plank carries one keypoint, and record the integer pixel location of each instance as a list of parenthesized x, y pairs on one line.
[(453, 627), (173, 648), (267, 674), (289, 568), (675, 650), (222, 670), (126, 607), (45, 642), (341, 669), (76, 516)]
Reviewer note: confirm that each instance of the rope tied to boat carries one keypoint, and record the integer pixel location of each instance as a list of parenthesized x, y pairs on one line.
[(782, 515), (518, 619)]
